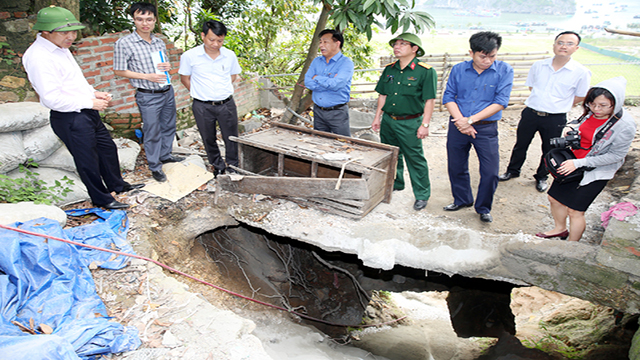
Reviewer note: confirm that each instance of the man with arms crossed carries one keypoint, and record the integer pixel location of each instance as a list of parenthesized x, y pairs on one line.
[(556, 84), (208, 71), (407, 89), (477, 92), (155, 98), (329, 77), (58, 80)]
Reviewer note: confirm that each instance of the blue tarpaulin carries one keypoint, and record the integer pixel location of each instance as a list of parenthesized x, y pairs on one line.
[(48, 282)]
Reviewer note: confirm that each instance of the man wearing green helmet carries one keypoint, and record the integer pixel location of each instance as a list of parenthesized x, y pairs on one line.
[(61, 86), (407, 89)]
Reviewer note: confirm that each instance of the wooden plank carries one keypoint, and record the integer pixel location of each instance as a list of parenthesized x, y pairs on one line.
[(314, 169), (296, 186), (280, 164)]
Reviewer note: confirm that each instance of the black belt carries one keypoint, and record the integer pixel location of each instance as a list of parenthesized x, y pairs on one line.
[(404, 117), (147, 91), (542, 113), (215, 102), (336, 107), (483, 122)]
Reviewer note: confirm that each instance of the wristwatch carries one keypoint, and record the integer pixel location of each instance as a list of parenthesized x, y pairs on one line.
[(425, 125), (469, 121)]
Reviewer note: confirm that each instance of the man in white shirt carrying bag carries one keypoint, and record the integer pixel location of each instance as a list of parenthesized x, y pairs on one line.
[(61, 86)]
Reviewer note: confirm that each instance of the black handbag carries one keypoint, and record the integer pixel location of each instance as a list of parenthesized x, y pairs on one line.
[(555, 157)]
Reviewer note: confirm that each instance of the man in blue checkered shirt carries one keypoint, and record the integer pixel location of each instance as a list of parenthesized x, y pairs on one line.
[(133, 59)]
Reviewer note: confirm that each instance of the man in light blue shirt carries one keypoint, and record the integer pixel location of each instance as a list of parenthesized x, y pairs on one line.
[(329, 79), (208, 71)]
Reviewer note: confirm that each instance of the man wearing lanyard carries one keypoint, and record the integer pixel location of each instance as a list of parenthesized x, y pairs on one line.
[(61, 86), (477, 92), (329, 79), (208, 71), (133, 59), (556, 85), (407, 89)]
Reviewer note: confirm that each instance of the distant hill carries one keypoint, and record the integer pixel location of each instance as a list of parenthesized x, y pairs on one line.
[(551, 7)]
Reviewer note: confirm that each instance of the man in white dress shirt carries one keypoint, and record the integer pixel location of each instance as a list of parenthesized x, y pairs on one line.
[(556, 85), (61, 86), (208, 71)]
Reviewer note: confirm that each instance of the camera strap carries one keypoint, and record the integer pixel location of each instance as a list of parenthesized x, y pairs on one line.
[(600, 134)]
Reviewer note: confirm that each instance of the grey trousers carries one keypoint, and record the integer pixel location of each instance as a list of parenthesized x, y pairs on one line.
[(333, 121), (226, 117), (158, 112)]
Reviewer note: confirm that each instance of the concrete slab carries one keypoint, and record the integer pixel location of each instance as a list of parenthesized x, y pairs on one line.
[(182, 179)]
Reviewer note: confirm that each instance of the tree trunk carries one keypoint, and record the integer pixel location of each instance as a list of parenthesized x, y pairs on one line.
[(71, 5), (297, 104)]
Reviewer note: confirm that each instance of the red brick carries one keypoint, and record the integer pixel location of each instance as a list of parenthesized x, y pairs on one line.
[(100, 49), (108, 40), (107, 77), (5, 15), (128, 93), (173, 71), (20, 14), (116, 102), (121, 88), (92, 73), (91, 81), (83, 52), (120, 121), (87, 43), (124, 107), (104, 63), (130, 99), (85, 67), (175, 51), (101, 86), (92, 58), (122, 81)]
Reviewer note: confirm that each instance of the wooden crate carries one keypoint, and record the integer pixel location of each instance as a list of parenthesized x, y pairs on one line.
[(339, 174)]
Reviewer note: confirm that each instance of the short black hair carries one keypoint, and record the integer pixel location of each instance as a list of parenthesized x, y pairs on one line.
[(335, 35), (143, 8), (485, 42), (215, 26), (593, 93), (569, 33)]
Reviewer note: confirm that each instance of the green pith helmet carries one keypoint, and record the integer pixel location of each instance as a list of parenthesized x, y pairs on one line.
[(55, 18), (412, 38)]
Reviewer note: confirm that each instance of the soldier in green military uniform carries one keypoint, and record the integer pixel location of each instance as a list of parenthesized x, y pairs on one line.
[(407, 91)]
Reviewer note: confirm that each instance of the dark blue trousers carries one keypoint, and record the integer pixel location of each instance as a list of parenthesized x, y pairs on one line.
[(94, 152), (486, 146)]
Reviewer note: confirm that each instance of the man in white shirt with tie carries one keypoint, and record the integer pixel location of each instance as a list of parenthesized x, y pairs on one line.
[(61, 86)]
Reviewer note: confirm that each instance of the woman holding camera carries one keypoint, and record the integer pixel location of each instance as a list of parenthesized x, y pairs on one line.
[(601, 156)]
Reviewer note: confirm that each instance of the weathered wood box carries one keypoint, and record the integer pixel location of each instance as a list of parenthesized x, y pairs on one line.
[(338, 174)]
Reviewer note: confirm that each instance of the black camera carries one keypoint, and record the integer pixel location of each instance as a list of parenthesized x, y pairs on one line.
[(572, 140)]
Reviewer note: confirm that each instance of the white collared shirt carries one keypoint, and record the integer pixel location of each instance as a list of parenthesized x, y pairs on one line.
[(554, 91), (210, 79), (56, 77)]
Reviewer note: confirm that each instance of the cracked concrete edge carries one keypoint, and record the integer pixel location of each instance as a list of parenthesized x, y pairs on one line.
[(195, 329)]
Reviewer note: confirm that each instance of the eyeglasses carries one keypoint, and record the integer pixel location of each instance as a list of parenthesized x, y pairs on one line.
[(401, 43), (562, 43), (598, 106), (147, 20)]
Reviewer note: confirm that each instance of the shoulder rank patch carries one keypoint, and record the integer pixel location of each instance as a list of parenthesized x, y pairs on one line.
[(390, 64), (424, 65)]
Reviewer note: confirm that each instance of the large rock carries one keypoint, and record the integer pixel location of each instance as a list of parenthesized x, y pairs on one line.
[(40, 143), (128, 151), (22, 116), (25, 211), (11, 151), (50, 176)]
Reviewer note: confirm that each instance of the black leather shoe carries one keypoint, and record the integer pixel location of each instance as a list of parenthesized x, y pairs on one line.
[(230, 171), (454, 207), (172, 159), (159, 176), (507, 176), (217, 172), (128, 187), (541, 185), (419, 205), (115, 205), (486, 218)]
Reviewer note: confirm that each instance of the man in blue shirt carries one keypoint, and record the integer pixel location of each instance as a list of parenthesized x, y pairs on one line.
[(329, 79), (477, 92)]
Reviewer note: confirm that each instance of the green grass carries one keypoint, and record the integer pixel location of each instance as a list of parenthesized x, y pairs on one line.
[(457, 44)]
